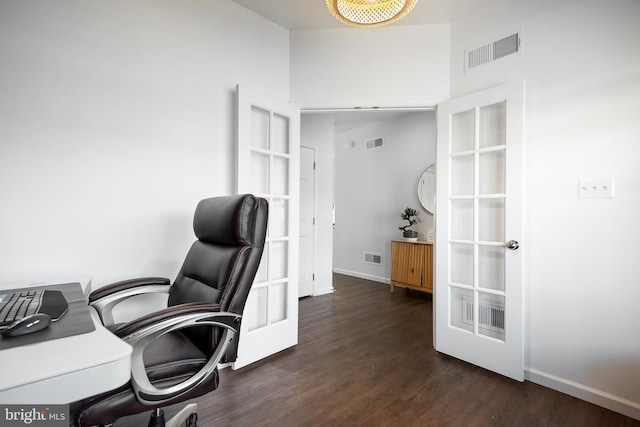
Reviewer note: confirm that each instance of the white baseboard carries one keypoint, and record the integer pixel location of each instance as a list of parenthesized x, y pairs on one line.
[(362, 275), (581, 391)]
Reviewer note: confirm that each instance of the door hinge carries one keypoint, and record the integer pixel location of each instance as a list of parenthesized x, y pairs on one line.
[(314, 165), (314, 221), (313, 276)]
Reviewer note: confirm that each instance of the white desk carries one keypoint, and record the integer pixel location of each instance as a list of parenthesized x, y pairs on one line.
[(67, 369)]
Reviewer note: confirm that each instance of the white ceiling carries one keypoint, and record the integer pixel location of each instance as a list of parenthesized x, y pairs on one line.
[(313, 14)]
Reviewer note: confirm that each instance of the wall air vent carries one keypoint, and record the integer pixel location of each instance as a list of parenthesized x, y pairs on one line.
[(350, 145), (371, 258), (490, 316), (493, 51), (374, 143)]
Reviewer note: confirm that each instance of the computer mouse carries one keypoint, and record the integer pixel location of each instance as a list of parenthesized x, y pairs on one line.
[(27, 325)]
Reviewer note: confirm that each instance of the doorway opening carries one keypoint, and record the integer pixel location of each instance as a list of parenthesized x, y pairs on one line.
[(369, 188)]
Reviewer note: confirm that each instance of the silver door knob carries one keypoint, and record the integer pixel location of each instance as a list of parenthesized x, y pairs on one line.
[(513, 245)]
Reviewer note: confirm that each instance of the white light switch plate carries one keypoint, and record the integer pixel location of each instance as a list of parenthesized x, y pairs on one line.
[(596, 188)]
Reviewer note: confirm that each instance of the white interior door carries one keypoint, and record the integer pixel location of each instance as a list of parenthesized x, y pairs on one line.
[(268, 166), (307, 196), (479, 225)]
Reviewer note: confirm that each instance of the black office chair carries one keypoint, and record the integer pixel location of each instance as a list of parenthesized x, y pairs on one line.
[(176, 350)]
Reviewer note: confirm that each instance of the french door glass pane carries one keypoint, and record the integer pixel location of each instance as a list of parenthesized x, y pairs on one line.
[(462, 219), (462, 175), (278, 262), (278, 308), (461, 264), (491, 267), (463, 131), (492, 172), (493, 119), (280, 179), (259, 128), (280, 142), (259, 173), (262, 274), (256, 308), (491, 220), (278, 217), (491, 315), (461, 309)]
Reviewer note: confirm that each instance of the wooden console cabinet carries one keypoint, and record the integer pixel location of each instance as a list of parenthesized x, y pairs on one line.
[(412, 265)]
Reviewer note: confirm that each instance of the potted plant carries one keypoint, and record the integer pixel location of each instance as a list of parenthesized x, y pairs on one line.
[(411, 216)]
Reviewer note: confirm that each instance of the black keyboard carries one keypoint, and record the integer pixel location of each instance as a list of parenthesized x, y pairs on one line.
[(16, 305)]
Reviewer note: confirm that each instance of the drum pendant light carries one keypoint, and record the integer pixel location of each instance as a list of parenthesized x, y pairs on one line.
[(369, 13)]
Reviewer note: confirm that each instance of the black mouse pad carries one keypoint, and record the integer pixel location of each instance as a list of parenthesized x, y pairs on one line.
[(77, 320)]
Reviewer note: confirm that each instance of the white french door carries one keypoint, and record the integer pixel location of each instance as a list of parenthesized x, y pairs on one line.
[(479, 229), (268, 166)]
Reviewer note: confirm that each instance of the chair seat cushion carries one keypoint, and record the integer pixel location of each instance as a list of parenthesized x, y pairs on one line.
[(172, 355), (170, 359)]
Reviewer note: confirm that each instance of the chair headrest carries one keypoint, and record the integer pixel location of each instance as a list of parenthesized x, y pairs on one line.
[(227, 220)]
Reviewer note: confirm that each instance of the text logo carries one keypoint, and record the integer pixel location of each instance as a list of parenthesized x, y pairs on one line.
[(34, 415)]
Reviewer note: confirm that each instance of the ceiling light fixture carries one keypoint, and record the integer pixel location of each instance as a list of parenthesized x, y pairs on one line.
[(369, 13)]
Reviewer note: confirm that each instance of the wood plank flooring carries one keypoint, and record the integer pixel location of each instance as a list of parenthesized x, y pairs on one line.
[(365, 358)]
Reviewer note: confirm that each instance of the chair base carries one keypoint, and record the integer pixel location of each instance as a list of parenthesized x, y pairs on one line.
[(157, 418), (187, 416)]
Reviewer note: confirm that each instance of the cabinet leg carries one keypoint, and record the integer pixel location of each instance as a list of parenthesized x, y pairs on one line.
[(391, 287)]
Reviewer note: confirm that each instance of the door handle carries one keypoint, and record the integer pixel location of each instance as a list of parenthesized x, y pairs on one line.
[(513, 245)]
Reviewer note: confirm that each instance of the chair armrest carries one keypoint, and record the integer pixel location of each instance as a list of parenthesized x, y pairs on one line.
[(107, 297), (141, 332)]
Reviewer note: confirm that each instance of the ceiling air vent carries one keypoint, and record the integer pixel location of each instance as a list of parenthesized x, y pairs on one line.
[(493, 51), (374, 143)]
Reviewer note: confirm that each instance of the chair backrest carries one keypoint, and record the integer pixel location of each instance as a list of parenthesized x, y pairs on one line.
[(221, 265)]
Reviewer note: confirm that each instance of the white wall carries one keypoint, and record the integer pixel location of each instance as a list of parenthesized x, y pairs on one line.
[(374, 186), (581, 64), (116, 118), (316, 131), (383, 66)]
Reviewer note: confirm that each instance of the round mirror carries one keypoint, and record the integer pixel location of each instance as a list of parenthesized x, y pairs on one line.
[(427, 189)]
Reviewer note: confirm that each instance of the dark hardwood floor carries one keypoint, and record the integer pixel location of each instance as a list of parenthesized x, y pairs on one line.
[(365, 358)]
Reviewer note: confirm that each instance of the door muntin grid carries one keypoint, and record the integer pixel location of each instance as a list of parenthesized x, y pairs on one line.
[(270, 161), (477, 207)]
